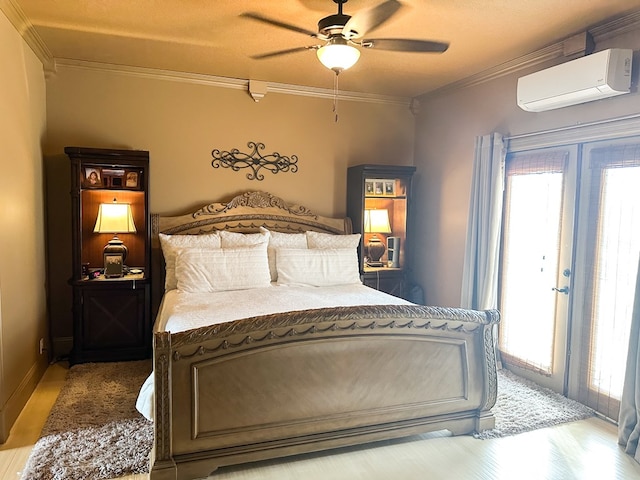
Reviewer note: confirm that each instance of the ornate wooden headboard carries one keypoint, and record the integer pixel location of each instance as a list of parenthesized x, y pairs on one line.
[(245, 213)]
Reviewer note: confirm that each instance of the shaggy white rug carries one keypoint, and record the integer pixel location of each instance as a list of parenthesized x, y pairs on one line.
[(94, 430), (523, 406)]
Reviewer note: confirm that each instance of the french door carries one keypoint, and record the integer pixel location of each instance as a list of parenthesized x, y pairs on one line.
[(607, 251), (571, 242), (537, 248)]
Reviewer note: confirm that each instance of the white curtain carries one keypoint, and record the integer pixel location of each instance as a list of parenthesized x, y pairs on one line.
[(482, 251), (629, 417)]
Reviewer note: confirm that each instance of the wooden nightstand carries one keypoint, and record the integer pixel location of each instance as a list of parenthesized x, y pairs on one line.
[(111, 319), (111, 316), (379, 205), (389, 280)]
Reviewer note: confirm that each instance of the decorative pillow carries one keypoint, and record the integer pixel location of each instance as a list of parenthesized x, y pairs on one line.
[(216, 270), (282, 240), (327, 240), (172, 243), (317, 267), (235, 239)]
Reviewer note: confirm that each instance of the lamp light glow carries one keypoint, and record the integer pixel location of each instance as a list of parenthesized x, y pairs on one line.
[(376, 221), (338, 55), (115, 218)]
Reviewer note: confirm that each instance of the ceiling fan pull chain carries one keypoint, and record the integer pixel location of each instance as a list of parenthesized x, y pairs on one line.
[(335, 96)]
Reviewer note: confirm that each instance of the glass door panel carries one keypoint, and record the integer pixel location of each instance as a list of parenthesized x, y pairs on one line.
[(607, 263), (535, 272)]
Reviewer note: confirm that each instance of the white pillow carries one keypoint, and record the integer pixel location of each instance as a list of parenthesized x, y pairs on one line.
[(327, 240), (282, 240), (216, 270), (235, 239), (317, 267), (170, 244)]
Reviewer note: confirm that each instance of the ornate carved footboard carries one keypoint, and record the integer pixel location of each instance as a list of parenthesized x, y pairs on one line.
[(284, 384)]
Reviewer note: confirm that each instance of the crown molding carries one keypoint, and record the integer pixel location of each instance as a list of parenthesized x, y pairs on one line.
[(616, 27), (19, 20), (16, 16), (227, 82), (24, 27), (526, 61), (604, 31), (342, 94)]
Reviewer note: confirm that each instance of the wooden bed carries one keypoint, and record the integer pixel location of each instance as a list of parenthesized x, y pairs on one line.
[(303, 381)]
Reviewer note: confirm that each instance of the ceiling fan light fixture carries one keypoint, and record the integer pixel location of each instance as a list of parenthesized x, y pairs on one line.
[(337, 55)]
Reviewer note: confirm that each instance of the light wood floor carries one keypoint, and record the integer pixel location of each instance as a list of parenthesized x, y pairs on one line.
[(579, 450)]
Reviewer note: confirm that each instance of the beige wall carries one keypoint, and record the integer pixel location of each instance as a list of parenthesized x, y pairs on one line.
[(445, 139), (22, 289), (180, 123)]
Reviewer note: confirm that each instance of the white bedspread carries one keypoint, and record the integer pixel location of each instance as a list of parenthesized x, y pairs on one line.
[(182, 311)]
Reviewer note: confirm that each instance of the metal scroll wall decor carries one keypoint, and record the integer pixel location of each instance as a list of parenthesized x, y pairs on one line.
[(236, 160)]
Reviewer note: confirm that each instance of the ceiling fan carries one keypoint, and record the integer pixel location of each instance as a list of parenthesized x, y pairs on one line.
[(342, 34)]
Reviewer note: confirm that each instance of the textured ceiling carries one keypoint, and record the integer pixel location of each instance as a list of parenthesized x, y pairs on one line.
[(211, 37)]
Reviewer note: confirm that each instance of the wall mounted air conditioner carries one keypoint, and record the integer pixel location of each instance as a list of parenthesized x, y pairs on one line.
[(599, 75)]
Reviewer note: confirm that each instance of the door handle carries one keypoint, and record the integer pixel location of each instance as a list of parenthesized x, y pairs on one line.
[(564, 290)]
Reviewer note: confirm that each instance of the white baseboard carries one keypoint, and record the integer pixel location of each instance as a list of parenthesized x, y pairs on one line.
[(18, 399)]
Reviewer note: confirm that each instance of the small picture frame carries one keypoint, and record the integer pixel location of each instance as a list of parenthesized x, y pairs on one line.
[(113, 265), (368, 187), (92, 177), (131, 180), (378, 188), (113, 177), (390, 188)]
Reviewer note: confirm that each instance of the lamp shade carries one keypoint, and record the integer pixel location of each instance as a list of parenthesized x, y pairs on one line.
[(114, 218), (337, 55), (376, 221)]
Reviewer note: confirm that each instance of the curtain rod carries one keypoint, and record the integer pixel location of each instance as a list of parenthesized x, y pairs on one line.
[(574, 127)]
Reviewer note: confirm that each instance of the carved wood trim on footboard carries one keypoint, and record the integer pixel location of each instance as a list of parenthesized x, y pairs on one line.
[(290, 383)]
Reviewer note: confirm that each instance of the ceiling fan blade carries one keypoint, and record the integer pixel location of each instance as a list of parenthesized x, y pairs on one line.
[(283, 52), (278, 23), (365, 21), (405, 45)]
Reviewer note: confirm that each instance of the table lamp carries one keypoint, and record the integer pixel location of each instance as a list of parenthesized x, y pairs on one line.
[(376, 221), (115, 218)]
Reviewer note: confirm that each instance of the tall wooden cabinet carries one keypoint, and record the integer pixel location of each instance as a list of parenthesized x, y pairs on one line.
[(111, 288), (379, 205)]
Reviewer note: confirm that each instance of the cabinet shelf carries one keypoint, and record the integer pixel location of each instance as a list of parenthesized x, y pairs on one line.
[(388, 188), (111, 315), (386, 197)]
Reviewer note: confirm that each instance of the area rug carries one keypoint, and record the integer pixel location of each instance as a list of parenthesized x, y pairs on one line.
[(523, 406), (94, 430)]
